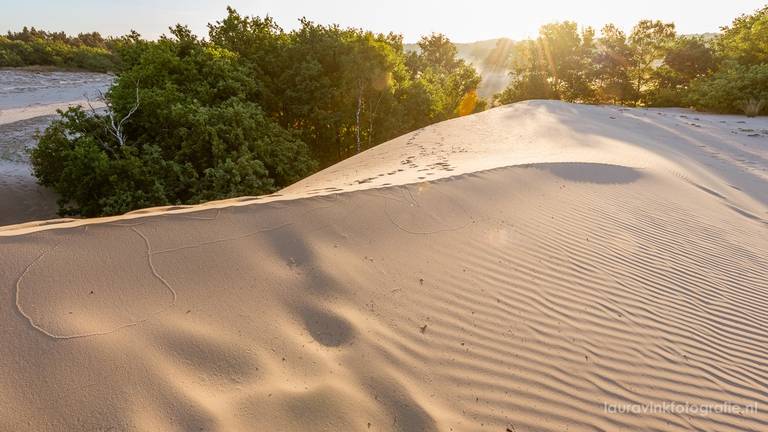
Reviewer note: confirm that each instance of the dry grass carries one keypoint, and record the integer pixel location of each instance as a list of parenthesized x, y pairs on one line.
[(752, 106)]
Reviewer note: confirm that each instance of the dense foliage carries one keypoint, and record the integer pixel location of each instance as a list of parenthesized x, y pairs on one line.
[(248, 110), (195, 135), (32, 47), (650, 66), (740, 82), (733, 88)]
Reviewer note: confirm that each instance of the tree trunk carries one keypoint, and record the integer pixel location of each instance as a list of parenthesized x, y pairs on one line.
[(370, 120), (357, 115)]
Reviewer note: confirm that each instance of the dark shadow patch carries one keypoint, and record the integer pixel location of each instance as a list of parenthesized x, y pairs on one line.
[(208, 357), (738, 210), (289, 246), (587, 172), (326, 328), (407, 415), (747, 214), (708, 190), (318, 282), (321, 406)]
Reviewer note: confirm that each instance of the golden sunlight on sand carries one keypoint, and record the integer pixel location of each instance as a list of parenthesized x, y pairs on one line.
[(536, 267)]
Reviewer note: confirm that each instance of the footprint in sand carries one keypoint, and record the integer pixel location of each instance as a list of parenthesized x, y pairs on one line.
[(327, 328), (202, 356)]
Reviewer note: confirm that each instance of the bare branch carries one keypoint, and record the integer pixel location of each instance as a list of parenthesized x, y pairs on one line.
[(112, 124), (134, 109)]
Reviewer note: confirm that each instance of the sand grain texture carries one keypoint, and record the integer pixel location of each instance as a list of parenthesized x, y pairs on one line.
[(513, 270)]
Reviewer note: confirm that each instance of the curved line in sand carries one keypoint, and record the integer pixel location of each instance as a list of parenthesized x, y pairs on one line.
[(101, 333), (152, 267), (24, 273), (222, 240), (238, 237), (416, 203)]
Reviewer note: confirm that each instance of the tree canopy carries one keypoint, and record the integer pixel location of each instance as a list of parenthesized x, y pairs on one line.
[(652, 66), (248, 110)]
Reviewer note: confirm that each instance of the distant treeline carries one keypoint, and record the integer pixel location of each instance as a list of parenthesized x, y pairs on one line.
[(32, 47), (651, 66), (248, 110)]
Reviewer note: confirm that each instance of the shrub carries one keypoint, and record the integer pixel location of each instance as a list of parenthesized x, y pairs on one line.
[(727, 90), (91, 59), (194, 137), (752, 107), (667, 97)]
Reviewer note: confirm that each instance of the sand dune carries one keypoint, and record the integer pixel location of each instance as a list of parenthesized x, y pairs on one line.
[(537, 267)]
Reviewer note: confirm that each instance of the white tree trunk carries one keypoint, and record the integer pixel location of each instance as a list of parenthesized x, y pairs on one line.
[(357, 116)]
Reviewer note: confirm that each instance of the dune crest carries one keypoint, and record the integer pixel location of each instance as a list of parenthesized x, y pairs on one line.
[(537, 267)]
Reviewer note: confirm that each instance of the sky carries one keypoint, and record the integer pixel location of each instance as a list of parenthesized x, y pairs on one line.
[(462, 21)]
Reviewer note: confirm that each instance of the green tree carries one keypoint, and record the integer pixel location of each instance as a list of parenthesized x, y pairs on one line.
[(736, 88), (567, 53), (529, 75), (688, 58), (194, 135), (650, 41), (447, 79), (745, 41), (554, 66), (612, 63), (436, 51), (261, 45), (740, 80), (336, 87)]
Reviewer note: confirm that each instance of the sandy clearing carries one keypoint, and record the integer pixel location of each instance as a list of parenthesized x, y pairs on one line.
[(12, 115)]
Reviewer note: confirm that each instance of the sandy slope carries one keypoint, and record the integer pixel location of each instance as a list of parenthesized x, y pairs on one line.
[(551, 259)]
